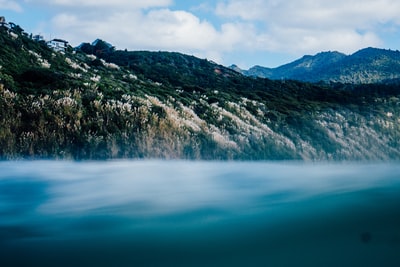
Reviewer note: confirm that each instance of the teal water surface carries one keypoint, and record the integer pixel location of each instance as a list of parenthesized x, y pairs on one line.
[(178, 213)]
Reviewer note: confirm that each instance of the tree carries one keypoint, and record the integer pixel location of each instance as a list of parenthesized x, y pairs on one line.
[(86, 48)]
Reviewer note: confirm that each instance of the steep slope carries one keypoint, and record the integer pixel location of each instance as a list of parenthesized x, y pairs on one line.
[(303, 69), (369, 65), (122, 104)]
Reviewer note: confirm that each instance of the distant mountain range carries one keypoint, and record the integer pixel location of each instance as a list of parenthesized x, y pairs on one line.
[(369, 65)]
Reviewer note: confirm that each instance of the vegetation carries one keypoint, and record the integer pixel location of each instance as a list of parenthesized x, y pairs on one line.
[(98, 103), (369, 65)]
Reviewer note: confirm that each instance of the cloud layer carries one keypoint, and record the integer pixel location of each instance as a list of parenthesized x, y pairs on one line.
[(10, 5), (307, 25), (215, 29)]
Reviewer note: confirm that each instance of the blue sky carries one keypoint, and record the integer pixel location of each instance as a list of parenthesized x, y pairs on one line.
[(243, 32)]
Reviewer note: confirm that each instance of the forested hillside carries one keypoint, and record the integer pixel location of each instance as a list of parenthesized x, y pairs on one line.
[(99, 103)]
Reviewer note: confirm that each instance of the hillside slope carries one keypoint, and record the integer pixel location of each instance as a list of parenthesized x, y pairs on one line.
[(369, 65), (123, 104)]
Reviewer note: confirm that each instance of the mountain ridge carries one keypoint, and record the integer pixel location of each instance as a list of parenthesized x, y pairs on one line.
[(368, 65), (103, 103)]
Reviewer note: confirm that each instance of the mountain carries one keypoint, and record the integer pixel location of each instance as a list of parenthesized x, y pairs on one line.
[(369, 65), (100, 103)]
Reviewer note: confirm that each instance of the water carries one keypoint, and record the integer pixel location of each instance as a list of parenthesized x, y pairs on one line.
[(166, 213)]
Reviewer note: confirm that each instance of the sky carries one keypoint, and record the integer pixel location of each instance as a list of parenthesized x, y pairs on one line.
[(269, 33)]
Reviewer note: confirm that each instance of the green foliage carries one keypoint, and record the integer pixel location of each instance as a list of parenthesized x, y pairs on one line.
[(170, 105), (370, 65)]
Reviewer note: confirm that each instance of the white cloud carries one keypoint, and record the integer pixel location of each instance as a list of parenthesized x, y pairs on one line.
[(314, 25), (308, 12), (10, 5), (111, 5), (157, 29), (247, 10), (149, 25), (180, 28), (296, 27)]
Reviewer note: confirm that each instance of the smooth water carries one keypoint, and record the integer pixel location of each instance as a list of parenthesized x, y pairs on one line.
[(166, 213)]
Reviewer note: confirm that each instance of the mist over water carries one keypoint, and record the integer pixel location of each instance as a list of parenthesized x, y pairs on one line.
[(178, 213)]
